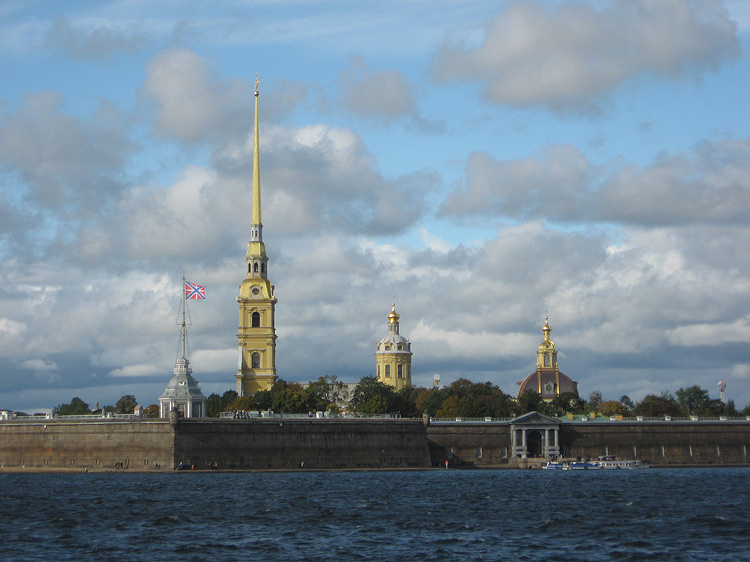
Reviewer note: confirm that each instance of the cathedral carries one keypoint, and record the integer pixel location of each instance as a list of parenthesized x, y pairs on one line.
[(547, 380), (256, 337)]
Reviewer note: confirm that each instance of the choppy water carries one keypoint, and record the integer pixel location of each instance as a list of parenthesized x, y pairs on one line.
[(448, 515)]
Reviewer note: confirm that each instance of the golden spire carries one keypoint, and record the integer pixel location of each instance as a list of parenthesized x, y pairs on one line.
[(256, 220), (546, 329)]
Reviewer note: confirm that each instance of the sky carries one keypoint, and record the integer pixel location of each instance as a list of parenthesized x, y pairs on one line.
[(481, 164)]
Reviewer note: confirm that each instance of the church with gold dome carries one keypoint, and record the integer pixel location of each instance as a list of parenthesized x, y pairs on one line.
[(547, 380), (393, 355), (256, 336)]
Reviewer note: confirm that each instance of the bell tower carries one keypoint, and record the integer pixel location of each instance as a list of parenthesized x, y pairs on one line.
[(546, 356), (393, 355), (256, 338)]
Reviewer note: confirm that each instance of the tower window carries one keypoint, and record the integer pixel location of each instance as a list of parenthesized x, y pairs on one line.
[(256, 320), (387, 371), (546, 360), (255, 360), (262, 268), (401, 371), (255, 268)]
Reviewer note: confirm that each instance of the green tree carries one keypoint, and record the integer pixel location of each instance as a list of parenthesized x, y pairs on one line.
[(613, 408), (594, 401), (290, 398), (693, 399), (654, 406), (431, 400), (325, 393), (217, 404), (529, 401), (371, 396), (151, 411), (565, 403), (261, 400), (75, 408), (449, 408), (126, 404), (627, 402)]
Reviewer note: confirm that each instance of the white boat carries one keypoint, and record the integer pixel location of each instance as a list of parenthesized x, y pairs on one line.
[(570, 465), (610, 462), (607, 462)]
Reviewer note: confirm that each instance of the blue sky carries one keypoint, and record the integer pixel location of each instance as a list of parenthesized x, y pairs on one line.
[(482, 163)]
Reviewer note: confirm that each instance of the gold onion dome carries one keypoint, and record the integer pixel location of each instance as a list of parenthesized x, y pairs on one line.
[(393, 316)]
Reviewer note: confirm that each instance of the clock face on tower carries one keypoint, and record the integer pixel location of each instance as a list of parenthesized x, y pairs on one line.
[(255, 291)]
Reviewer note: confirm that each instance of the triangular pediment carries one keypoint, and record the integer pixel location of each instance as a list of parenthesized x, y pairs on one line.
[(535, 418)]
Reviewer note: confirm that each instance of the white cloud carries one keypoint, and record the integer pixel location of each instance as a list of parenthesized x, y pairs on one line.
[(193, 103), (708, 184), (570, 55), (64, 160), (385, 95), (140, 370), (93, 41)]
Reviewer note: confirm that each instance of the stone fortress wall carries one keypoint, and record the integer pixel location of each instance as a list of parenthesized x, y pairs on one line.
[(293, 443), (658, 442)]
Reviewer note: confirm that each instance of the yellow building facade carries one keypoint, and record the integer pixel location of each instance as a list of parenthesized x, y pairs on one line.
[(256, 338), (393, 355)]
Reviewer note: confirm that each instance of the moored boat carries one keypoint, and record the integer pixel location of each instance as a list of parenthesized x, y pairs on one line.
[(610, 462)]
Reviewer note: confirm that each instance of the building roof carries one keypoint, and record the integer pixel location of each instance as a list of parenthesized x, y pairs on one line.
[(548, 383), (182, 384)]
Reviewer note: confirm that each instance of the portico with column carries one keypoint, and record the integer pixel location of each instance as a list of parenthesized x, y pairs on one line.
[(535, 435)]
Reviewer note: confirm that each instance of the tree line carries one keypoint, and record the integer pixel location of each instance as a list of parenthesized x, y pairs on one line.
[(466, 399), (460, 399)]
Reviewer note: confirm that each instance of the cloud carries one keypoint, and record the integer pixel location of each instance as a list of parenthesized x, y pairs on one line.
[(193, 103), (569, 56), (710, 334), (707, 185), (140, 370), (93, 41), (63, 160), (385, 95)]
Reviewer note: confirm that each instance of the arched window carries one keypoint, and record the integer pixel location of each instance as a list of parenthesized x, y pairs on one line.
[(401, 371), (387, 371), (262, 268), (256, 267), (546, 360), (255, 361), (256, 320)]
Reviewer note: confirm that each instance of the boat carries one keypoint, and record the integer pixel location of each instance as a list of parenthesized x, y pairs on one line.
[(610, 462), (605, 462), (570, 465)]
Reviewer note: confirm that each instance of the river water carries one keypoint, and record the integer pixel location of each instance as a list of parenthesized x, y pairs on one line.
[(440, 515)]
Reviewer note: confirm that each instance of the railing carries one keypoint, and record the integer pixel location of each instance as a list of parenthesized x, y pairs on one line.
[(82, 417), (598, 419), (268, 414), (471, 420)]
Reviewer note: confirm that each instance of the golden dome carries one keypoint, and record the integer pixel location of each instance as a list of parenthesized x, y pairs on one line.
[(393, 316)]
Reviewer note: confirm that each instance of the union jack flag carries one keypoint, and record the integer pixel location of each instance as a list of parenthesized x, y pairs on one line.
[(193, 291)]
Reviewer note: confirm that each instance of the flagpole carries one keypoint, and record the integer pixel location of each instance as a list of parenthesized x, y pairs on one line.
[(184, 304)]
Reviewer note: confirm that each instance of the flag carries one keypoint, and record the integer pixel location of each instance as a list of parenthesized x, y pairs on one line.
[(193, 291)]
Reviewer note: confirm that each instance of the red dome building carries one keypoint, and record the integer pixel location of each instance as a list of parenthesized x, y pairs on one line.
[(547, 380)]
